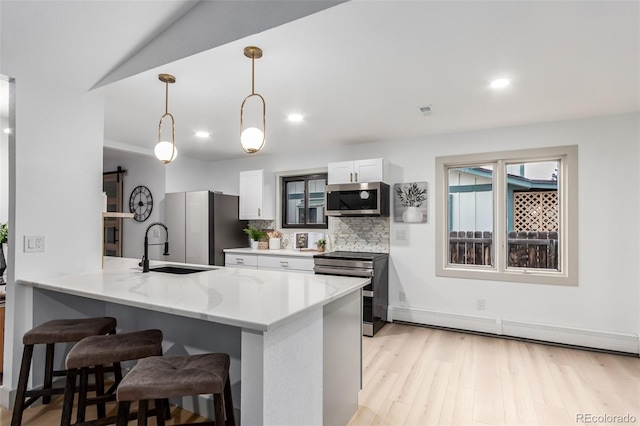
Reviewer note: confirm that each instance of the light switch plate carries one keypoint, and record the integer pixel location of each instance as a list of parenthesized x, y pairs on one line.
[(33, 244), (401, 234)]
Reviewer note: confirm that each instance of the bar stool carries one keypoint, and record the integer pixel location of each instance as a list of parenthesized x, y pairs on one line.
[(159, 378), (94, 352), (50, 333)]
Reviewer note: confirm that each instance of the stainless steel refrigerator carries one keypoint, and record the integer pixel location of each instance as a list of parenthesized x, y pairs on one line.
[(201, 225)]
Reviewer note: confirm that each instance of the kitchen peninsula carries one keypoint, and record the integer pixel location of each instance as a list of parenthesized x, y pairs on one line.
[(294, 338)]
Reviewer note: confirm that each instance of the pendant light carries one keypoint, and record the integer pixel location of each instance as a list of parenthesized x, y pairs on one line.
[(252, 139), (166, 151)]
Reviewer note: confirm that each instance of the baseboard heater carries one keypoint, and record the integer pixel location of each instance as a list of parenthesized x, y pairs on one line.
[(543, 333)]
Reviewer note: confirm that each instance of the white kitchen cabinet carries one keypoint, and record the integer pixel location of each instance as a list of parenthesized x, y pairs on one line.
[(356, 171), (257, 195), (274, 260), (286, 263), (237, 260)]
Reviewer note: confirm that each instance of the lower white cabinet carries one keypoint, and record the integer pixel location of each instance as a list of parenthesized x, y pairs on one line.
[(269, 262), (286, 263), (235, 260)]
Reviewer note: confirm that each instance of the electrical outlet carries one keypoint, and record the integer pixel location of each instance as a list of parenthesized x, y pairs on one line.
[(33, 244), (403, 296), (401, 235), (481, 304)]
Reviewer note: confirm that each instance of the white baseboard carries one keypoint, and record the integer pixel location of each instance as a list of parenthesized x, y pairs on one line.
[(7, 397), (597, 339)]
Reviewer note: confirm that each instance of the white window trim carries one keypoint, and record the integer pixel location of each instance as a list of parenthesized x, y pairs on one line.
[(568, 233)]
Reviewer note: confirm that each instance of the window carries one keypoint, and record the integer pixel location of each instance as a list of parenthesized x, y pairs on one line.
[(303, 203), (509, 216)]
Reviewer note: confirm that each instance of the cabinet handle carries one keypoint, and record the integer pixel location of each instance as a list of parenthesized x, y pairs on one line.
[(356, 176), (259, 212), (239, 261), (284, 264), (350, 177)]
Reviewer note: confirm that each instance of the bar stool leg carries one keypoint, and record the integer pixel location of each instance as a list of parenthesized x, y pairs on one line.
[(123, 413), (160, 408), (116, 366), (82, 395), (142, 412), (48, 372), (99, 378), (25, 367), (117, 372), (69, 391), (218, 408), (228, 404)]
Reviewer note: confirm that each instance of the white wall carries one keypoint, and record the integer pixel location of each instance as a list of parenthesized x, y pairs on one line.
[(147, 171), (186, 174), (53, 193), (608, 295), (4, 171)]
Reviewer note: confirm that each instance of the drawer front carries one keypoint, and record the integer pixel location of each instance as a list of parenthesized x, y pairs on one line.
[(241, 260), (286, 263)]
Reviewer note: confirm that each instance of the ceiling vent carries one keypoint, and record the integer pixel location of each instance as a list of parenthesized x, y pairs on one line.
[(426, 110)]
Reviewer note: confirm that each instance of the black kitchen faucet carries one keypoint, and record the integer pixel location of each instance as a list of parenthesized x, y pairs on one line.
[(145, 257)]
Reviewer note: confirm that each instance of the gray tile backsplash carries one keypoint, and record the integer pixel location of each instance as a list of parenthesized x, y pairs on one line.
[(367, 234)]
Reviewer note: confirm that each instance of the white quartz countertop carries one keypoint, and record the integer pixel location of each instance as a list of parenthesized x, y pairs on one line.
[(252, 299), (280, 252)]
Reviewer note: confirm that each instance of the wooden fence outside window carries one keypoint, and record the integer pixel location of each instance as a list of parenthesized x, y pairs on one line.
[(526, 249)]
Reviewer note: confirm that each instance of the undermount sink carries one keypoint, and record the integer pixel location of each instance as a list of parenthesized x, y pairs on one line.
[(181, 270)]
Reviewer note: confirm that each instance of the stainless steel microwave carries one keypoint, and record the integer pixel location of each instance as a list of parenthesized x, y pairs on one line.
[(357, 199)]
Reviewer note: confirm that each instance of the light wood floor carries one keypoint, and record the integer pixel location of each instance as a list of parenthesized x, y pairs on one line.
[(49, 415), (420, 376)]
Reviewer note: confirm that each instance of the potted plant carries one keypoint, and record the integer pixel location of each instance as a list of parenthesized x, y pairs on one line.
[(320, 244), (255, 235), (412, 196)]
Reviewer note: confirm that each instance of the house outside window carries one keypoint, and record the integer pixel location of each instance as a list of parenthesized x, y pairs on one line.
[(509, 216), (303, 202)]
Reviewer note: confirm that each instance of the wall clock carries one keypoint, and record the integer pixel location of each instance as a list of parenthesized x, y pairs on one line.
[(141, 203)]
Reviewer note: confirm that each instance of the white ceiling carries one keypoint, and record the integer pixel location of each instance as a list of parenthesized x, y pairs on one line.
[(359, 71)]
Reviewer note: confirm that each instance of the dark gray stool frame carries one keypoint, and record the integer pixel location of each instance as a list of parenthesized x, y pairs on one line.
[(22, 393), (221, 406), (100, 399)]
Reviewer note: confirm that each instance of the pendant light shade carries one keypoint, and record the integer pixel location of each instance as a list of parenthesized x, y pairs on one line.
[(252, 138), (166, 151)]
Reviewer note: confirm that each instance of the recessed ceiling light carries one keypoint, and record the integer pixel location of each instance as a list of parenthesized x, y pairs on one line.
[(500, 83), (202, 134), (295, 118)]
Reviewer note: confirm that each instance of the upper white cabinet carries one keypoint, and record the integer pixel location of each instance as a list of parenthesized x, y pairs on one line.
[(356, 171), (257, 195)]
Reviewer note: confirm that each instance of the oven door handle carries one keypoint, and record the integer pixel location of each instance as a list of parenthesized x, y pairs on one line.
[(349, 272)]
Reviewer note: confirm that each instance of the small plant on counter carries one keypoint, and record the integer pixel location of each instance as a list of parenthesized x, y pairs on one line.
[(321, 242), (255, 234)]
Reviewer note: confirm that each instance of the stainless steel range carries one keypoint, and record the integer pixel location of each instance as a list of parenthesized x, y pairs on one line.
[(375, 296)]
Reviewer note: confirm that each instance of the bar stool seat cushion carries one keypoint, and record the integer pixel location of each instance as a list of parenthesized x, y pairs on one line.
[(165, 377), (68, 330), (101, 350)]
